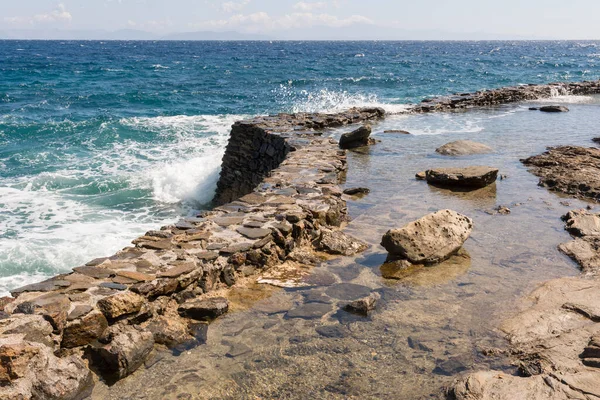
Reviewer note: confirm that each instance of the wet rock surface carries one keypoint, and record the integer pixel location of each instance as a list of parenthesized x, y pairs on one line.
[(357, 138), (467, 177), (463, 148), (570, 170)]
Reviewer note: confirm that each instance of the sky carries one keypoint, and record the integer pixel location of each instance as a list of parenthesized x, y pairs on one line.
[(310, 19)]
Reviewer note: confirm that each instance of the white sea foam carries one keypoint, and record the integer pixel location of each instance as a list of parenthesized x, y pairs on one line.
[(334, 101), (57, 220)]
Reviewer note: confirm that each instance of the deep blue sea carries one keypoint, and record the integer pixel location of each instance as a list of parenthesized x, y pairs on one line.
[(101, 141)]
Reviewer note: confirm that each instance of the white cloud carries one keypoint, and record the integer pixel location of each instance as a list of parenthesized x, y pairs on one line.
[(304, 6), (233, 6), (59, 14), (263, 22)]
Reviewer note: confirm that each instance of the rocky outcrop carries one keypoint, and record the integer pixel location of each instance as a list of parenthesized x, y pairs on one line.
[(505, 95), (554, 345), (356, 138), (429, 240), (554, 109), (463, 148), (571, 170), (466, 177)]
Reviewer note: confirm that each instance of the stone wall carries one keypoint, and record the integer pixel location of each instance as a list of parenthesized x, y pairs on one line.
[(109, 314)]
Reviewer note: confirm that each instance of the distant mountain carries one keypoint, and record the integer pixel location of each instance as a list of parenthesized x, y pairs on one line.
[(123, 34), (355, 32), (206, 35)]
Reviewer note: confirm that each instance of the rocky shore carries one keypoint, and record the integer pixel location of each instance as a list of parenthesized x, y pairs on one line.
[(278, 207)]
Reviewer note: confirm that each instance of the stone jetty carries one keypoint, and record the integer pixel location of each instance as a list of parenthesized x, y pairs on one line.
[(277, 200)]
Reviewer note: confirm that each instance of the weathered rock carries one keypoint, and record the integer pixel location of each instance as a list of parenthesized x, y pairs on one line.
[(356, 138), (46, 286), (204, 309), (32, 328), (582, 223), (31, 371), (554, 109), (364, 305), (124, 350), (337, 242), (253, 233), (463, 147), (355, 191), (120, 304), (429, 240), (84, 330), (469, 177), (585, 252), (169, 330), (571, 170), (421, 176)]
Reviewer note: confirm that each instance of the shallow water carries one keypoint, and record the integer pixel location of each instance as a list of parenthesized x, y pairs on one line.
[(102, 141), (428, 327)]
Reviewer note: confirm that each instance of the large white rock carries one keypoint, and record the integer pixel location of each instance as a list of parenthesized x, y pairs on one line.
[(429, 240)]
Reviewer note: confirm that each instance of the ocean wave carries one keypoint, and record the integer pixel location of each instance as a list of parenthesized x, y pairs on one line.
[(326, 100)]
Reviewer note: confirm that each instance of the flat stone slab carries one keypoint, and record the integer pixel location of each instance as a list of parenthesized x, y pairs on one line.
[(135, 276), (310, 311), (253, 233), (46, 286), (228, 221), (582, 223), (177, 271), (469, 177), (463, 148)]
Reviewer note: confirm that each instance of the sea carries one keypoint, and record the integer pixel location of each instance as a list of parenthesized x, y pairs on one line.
[(102, 141)]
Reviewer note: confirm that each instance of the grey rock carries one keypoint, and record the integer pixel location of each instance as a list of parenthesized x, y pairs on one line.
[(431, 239), (309, 311), (364, 305), (348, 291), (554, 109)]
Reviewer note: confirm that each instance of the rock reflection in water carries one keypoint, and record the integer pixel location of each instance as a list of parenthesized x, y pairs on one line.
[(420, 275)]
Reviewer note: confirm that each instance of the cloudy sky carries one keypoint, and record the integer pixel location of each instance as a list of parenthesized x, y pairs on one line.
[(386, 19)]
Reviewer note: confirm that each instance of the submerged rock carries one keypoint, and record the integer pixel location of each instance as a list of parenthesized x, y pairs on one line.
[(429, 240), (356, 138), (463, 147), (337, 242), (363, 306), (469, 177)]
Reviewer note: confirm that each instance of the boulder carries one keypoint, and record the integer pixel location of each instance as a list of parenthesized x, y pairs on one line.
[(553, 109), (124, 350), (204, 309), (31, 371), (120, 304), (463, 147), (84, 330), (170, 330), (356, 138), (469, 177), (429, 240)]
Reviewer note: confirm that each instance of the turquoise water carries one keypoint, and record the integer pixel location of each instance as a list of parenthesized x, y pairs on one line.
[(100, 141)]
